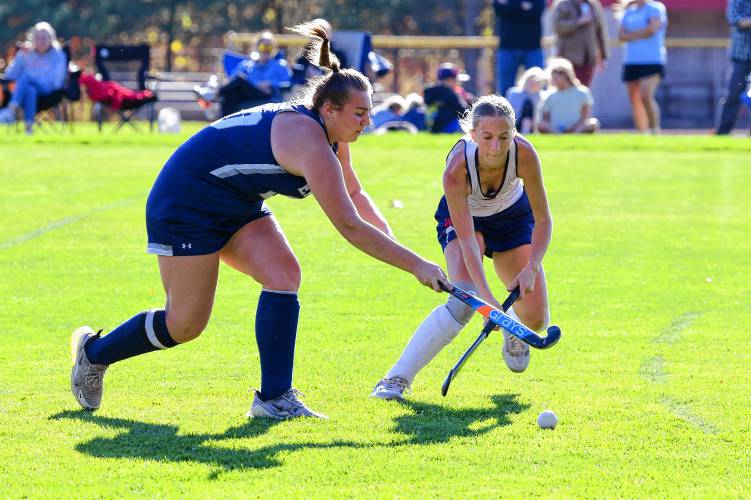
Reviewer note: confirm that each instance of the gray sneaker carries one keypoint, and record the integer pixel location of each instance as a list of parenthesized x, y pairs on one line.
[(286, 406), (85, 377), (391, 388), (515, 353)]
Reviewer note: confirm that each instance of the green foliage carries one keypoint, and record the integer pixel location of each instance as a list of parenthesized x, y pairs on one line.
[(132, 20), (648, 278)]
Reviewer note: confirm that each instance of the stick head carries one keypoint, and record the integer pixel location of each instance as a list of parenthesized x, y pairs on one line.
[(552, 337)]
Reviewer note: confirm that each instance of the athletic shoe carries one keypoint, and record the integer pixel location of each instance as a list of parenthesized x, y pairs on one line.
[(7, 115), (515, 353), (286, 406), (86, 377), (391, 388)]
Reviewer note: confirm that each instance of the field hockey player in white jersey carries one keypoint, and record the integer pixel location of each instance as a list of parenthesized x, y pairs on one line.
[(494, 205)]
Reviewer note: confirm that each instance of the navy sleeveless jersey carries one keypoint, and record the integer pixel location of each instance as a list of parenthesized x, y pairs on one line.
[(217, 180), (234, 154)]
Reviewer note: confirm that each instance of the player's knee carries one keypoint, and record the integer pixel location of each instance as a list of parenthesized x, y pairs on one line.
[(460, 311), (287, 278), (537, 320), (184, 328)]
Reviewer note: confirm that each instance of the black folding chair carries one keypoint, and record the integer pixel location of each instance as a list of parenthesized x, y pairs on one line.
[(138, 56)]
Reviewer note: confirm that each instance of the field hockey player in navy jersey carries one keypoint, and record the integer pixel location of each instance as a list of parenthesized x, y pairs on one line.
[(207, 206)]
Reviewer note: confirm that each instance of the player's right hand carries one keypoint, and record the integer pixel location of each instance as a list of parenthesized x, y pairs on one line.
[(431, 275)]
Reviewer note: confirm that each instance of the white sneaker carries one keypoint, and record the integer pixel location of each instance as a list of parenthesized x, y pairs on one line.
[(286, 406), (391, 388), (86, 378), (515, 353)]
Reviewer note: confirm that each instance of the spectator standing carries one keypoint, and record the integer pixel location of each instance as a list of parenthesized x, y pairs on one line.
[(38, 73), (739, 18), (519, 26), (582, 36), (525, 98), (568, 109), (445, 105), (643, 26)]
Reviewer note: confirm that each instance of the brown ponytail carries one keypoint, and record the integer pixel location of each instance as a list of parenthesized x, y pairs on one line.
[(318, 49), (335, 85)]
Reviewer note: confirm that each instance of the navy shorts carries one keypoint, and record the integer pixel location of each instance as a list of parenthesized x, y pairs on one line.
[(635, 72), (503, 231), (189, 215)]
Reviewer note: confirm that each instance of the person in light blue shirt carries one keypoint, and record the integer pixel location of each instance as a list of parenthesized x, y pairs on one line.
[(263, 69), (643, 26), (259, 80), (38, 72), (567, 109)]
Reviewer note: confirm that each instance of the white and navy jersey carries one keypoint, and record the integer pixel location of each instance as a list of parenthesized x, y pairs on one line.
[(234, 155), (509, 190)]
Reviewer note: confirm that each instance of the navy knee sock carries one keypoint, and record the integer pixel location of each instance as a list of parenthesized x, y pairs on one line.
[(144, 332), (276, 330)]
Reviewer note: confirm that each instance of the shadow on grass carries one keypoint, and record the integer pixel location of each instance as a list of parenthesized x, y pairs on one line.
[(429, 423), (163, 443), (433, 423)]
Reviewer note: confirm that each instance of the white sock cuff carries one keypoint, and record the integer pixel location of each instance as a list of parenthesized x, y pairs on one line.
[(443, 318)]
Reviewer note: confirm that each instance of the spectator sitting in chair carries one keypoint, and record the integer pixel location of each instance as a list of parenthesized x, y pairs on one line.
[(445, 104), (39, 73), (525, 98), (568, 108), (389, 116), (390, 111), (415, 111), (259, 80)]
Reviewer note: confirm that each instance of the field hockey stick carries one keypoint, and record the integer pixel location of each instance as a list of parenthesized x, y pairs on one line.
[(500, 318), (489, 327)]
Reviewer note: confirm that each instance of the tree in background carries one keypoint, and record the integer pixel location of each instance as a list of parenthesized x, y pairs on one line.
[(179, 25)]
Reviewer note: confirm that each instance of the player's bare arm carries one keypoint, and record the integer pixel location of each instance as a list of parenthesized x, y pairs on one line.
[(456, 188), (530, 171), (363, 203), (322, 170)]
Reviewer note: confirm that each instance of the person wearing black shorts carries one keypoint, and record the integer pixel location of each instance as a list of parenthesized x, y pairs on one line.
[(643, 25)]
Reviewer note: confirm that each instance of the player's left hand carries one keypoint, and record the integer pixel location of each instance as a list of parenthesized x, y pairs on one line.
[(525, 280)]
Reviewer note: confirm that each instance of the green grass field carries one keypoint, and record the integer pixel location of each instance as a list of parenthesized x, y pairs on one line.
[(648, 273)]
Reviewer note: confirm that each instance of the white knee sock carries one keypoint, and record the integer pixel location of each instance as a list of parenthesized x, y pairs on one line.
[(435, 332)]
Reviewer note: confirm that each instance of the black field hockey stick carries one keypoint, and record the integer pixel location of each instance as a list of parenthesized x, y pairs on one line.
[(500, 319)]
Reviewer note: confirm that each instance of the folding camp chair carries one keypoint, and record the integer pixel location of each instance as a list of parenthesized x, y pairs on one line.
[(52, 113), (107, 56)]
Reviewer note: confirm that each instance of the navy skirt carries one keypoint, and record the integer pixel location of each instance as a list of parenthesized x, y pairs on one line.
[(506, 230)]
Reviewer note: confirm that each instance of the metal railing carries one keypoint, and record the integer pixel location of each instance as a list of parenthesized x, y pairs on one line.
[(465, 42)]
